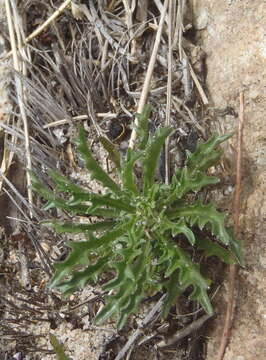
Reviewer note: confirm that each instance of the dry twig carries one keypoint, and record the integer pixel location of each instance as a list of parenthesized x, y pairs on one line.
[(233, 268)]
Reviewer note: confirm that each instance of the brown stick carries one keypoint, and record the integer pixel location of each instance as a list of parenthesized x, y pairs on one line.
[(233, 268)]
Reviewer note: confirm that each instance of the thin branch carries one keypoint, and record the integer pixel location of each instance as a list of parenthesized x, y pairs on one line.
[(146, 85), (233, 268)]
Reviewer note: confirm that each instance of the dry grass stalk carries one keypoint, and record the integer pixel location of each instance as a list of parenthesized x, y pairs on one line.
[(196, 81), (5, 107), (187, 117), (169, 89), (20, 91), (146, 85), (77, 118), (20, 197), (159, 5), (198, 85), (7, 158), (233, 268)]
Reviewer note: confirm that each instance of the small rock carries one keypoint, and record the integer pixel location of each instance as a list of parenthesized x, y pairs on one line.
[(201, 19)]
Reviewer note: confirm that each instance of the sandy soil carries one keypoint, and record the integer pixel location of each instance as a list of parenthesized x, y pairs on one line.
[(234, 39)]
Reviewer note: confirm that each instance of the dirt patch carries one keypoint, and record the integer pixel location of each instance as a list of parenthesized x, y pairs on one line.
[(235, 42)]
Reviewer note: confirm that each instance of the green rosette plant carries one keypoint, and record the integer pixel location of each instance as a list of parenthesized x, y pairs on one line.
[(138, 240)]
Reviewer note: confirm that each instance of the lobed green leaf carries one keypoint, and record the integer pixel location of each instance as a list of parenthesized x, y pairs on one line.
[(188, 275), (190, 181), (58, 348), (173, 290), (59, 203), (181, 228), (151, 156), (127, 174), (77, 228), (206, 154), (80, 279), (101, 200), (112, 151), (63, 184), (134, 271), (81, 250), (92, 165), (201, 215), (235, 247), (143, 127), (213, 249)]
